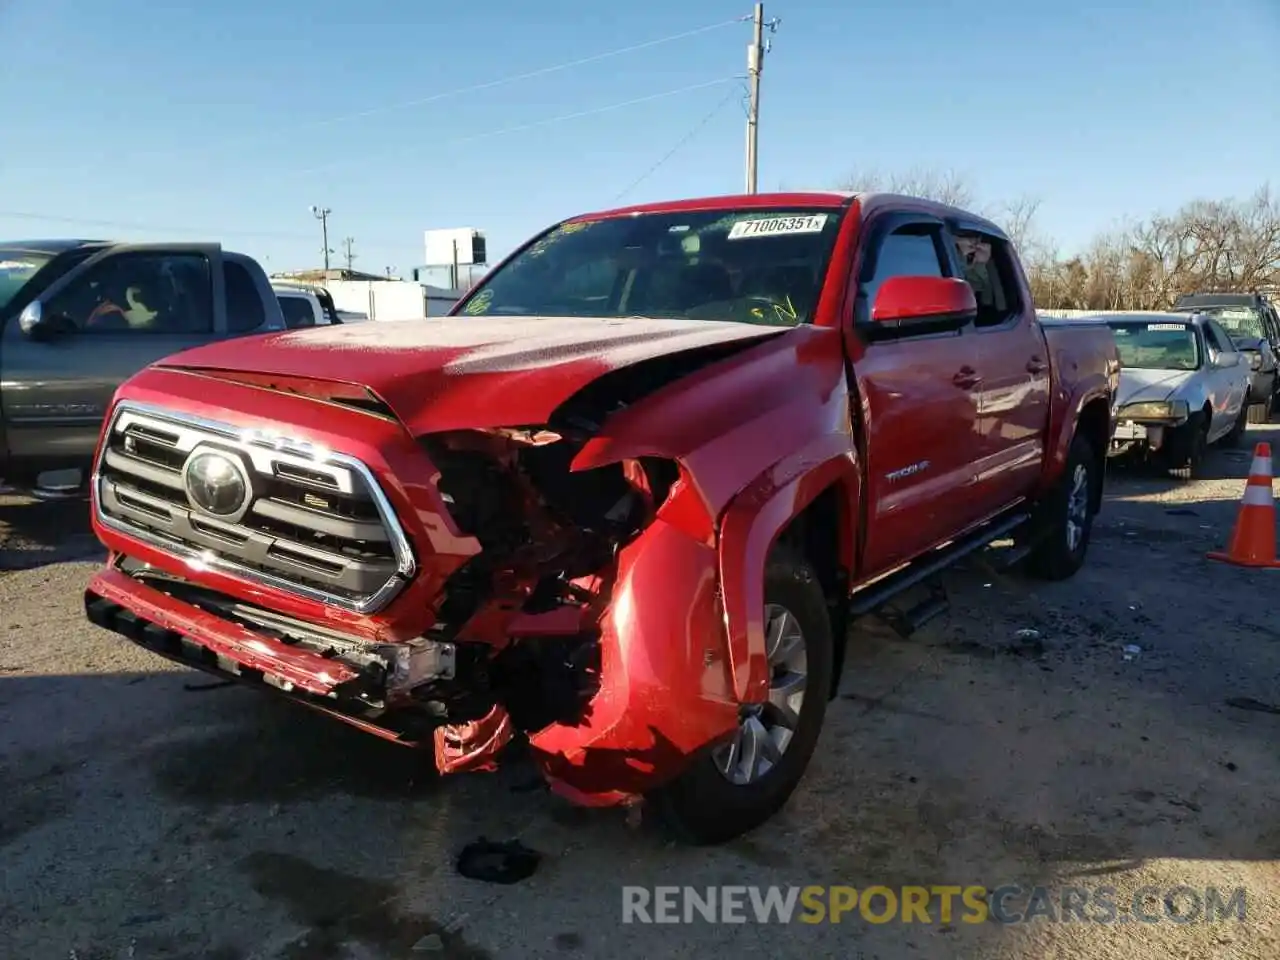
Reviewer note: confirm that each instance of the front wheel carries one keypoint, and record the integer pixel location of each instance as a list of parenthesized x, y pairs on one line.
[(1065, 516), (1187, 454), (1261, 412), (742, 783), (1232, 439)]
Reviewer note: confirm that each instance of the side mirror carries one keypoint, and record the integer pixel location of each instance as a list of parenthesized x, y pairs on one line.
[(35, 324), (924, 300), (31, 319)]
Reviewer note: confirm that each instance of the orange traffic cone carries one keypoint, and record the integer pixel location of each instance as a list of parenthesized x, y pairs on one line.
[(1253, 542)]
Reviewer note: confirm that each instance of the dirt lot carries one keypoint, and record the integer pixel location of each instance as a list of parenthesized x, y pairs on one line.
[(142, 816)]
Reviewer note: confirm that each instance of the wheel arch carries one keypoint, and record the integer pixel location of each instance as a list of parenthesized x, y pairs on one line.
[(807, 502), (1094, 424)]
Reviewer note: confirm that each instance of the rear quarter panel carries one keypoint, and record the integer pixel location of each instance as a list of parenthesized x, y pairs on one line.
[(1086, 374)]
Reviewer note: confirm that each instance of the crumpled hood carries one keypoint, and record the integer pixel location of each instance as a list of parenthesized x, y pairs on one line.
[(1150, 386), (458, 372)]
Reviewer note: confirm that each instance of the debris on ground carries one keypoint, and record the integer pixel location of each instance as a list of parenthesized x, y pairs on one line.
[(201, 687), (1132, 651), (491, 862), (1248, 703), (431, 942)]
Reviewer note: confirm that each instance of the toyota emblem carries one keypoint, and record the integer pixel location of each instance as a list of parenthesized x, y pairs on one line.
[(216, 483)]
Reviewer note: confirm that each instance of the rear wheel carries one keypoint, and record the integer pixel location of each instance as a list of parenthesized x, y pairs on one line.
[(745, 781), (1064, 519)]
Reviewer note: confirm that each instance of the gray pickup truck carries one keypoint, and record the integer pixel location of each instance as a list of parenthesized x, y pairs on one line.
[(79, 317)]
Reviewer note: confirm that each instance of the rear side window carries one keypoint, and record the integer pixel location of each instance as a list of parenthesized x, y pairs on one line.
[(244, 305), (987, 264), (297, 312), (910, 251)]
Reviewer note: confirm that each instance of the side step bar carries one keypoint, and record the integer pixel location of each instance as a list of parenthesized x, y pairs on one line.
[(874, 596)]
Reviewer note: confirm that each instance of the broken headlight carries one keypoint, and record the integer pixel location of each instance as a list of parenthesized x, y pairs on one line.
[(1169, 411)]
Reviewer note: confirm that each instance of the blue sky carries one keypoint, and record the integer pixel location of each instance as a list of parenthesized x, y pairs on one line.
[(196, 120)]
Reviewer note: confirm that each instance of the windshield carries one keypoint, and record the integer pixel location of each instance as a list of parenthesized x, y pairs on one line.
[(752, 266), (1157, 346), (1238, 321), (17, 266)]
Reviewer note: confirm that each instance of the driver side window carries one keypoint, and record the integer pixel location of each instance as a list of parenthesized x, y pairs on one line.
[(914, 250), (140, 293)]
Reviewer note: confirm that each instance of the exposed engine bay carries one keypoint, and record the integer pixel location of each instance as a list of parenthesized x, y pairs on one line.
[(549, 539)]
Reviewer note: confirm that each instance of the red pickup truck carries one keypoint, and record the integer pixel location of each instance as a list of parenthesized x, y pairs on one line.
[(623, 502)]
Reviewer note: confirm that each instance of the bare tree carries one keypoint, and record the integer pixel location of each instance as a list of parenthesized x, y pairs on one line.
[(1228, 245), (1017, 218), (946, 187)]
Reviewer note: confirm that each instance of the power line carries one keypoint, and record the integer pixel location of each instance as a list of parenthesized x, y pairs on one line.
[(150, 227), (172, 230), (697, 128), (279, 235), (517, 128), (460, 91)]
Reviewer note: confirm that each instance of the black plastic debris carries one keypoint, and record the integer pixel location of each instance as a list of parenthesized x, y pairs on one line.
[(1248, 703), (201, 687), (492, 862)]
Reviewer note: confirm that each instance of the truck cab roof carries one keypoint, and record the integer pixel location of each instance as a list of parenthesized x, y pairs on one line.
[(815, 199), (52, 246)]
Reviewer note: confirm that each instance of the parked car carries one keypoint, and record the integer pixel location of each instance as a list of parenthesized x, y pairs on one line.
[(1254, 325), (1183, 387), (79, 317), (623, 501), (304, 304)]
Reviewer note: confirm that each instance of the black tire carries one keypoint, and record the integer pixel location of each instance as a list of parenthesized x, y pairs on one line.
[(702, 806), (1055, 555), (1232, 439), (1187, 461)]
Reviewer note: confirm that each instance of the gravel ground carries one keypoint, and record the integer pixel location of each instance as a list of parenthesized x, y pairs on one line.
[(142, 816)]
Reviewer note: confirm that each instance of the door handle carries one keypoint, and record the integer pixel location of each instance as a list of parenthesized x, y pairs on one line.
[(1036, 365), (966, 378)]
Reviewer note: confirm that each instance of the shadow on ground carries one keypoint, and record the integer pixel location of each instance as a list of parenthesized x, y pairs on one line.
[(38, 532)]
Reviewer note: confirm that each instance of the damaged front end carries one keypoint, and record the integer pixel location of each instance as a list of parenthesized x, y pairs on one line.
[(603, 617), (578, 608)]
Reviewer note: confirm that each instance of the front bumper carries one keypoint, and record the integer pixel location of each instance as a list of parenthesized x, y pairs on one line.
[(193, 637), (1130, 435), (664, 693)]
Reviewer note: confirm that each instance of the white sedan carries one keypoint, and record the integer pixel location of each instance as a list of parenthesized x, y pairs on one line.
[(1183, 386)]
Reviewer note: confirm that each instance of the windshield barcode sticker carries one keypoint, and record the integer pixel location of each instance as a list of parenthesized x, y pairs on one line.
[(776, 226), (1167, 327)]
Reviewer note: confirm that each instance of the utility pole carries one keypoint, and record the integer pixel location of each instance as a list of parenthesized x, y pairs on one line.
[(348, 243), (322, 214), (755, 62)]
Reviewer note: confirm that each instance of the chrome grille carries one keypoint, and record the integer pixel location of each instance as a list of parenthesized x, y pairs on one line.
[(314, 522)]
